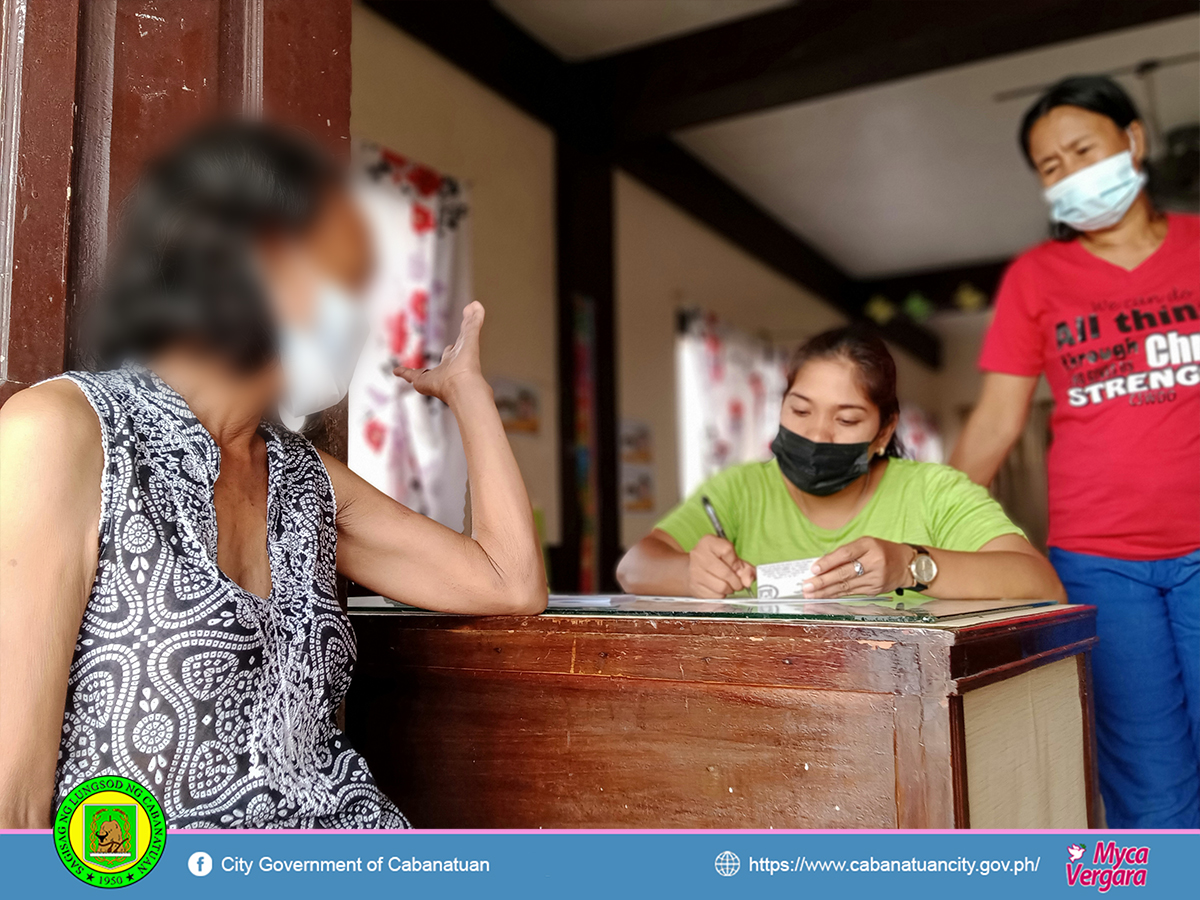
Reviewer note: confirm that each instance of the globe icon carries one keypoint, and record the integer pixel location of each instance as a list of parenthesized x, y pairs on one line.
[(727, 863)]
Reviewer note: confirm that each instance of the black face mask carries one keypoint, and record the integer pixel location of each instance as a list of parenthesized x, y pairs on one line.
[(819, 469)]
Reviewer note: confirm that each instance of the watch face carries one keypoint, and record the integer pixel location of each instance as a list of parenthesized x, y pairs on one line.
[(925, 568)]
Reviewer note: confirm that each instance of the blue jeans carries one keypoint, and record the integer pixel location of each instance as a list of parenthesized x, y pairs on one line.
[(1146, 669)]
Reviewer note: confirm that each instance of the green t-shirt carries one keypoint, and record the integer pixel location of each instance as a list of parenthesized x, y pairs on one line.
[(914, 503)]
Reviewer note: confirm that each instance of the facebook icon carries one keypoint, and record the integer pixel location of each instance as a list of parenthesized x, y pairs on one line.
[(200, 864)]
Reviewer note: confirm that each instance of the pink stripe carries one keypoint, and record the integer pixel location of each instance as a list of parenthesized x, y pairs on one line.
[(726, 831)]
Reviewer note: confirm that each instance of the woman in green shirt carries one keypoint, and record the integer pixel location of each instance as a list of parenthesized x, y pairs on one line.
[(837, 489)]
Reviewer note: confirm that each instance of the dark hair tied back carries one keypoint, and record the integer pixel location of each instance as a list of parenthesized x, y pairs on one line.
[(1095, 93), (182, 269), (873, 364)]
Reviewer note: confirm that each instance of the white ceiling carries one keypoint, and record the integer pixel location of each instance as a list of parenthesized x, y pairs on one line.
[(581, 29), (925, 172)]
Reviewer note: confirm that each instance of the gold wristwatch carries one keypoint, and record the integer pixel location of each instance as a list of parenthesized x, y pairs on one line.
[(922, 568)]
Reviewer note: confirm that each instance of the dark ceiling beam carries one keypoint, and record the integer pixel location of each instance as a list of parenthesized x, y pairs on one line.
[(478, 38), (820, 47)]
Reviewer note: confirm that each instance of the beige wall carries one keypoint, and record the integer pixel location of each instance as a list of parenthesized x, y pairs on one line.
[(962, 337), (960, 380), (666, 260), (414, 102)]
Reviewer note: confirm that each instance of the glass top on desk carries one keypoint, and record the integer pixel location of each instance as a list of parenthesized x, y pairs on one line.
[(879, 609)]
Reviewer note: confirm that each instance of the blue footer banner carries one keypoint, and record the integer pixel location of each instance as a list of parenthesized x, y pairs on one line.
[(116, 847)]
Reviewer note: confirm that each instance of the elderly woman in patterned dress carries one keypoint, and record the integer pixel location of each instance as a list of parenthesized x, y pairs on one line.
[(168, 606)]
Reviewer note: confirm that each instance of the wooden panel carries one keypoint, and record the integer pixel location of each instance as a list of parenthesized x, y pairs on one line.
[(1001, 649), (306, 68), (40, 210), (1087, 701), (148, 72), (489, 750), (90, 200), (699, 650), (165, 80), (925, 776), (958, 762)]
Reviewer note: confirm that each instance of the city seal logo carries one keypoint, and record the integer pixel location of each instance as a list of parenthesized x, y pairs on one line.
[(110, 831), (111, 834)]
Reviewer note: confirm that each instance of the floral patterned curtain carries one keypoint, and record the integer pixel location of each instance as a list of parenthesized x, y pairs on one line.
[(407, 445), (730, 387), (919, 435)]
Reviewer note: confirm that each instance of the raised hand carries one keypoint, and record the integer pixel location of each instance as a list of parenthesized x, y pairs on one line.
[(460, 361)]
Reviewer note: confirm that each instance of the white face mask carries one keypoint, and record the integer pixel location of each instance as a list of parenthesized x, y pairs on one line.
[(1098, 196), (318, 359)]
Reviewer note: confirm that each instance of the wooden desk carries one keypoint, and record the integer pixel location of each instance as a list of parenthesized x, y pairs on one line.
[(632, 720)]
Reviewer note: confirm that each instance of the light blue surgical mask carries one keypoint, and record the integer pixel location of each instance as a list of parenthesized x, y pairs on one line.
[(1098, 196), (318, 359)]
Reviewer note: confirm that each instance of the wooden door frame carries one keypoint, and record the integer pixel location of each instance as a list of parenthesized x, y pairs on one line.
[(80, 116)]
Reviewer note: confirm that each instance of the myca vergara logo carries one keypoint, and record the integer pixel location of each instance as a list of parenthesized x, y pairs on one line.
[(1110, 866), (110, 831)]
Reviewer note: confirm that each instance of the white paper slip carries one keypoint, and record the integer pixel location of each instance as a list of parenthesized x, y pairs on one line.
[(783, 579)]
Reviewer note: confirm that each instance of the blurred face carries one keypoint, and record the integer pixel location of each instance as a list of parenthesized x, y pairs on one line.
[(335, 250), (315, 282), (1069, 138), (826, 405)]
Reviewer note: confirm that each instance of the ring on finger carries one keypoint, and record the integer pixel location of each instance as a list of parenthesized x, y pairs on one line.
[(859, 571)]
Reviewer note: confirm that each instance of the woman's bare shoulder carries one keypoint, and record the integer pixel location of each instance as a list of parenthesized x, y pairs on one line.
[(54, 420), (58, 402)]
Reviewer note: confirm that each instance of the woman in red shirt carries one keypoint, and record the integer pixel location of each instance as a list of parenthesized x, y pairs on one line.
[(1109, 312)]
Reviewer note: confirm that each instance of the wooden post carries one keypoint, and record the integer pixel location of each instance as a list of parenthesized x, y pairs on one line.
[(38, 91), (587, 375)]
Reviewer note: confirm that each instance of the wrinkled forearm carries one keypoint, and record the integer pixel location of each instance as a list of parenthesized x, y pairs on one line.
[(501, 518)]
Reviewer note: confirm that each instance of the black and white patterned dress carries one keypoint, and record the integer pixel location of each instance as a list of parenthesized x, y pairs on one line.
[(220, 702)]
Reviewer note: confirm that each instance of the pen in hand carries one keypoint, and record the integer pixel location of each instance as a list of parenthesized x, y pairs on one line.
[(741, 569), (712, 517)]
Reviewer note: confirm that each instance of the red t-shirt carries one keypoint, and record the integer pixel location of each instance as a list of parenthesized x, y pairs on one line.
[(1121, 351)]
